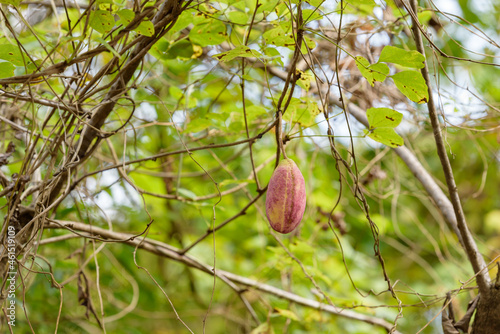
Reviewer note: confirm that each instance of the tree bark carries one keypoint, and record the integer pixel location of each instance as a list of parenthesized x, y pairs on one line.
[(487, 319)]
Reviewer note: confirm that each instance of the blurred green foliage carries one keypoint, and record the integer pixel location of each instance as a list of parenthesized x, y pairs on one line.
[(185, 97)]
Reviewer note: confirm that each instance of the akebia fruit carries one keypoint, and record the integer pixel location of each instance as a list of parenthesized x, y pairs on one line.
[(286, 197)]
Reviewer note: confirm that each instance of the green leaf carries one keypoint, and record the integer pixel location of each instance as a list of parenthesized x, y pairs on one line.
[(491, 222), (382, 123), (305, 79), (264, 328), (182, 49), (211, 32), (146, 28), (126, 16), (392, 54), (197, 125), (239, 51), (383, 117), (237, 17), (274, 55), (372, 73), (359, 6), (301, 248), (412, 85), (269, 6), (11, 54), (186, 193), (102, 21), (315, 3), (425, 16), (287, 314), (383, 223), (106, 5), (109, 47), (6, 69), (361, 2), (176, 92), (14, 3), (308, 45), (302, 111), (278, 37), (386, 136), (184, 20), (311, 15), (255, 111)]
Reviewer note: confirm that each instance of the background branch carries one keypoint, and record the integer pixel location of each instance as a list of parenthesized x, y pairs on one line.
[(162, 249), (475, 257)]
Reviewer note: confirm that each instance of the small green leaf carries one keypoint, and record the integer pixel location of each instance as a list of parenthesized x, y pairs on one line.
[(383, 117), (211, 32), (270, 5), (197, 125), (361, 2), (392, 54), (279, 37), (412, 85), (287, 314), (425, 16), (184, 20), (146, 28), (14, 3), (301, 248), (307, 46), (186, 193), (312, 15), (264, 328), (109, 47), (102, 21), (305, 79), (239, 51), (386, 136), (274, 55), (491, 220), (11, 54), (382, 123), (302, 111), (359, 6), (237, 17), (254, 112), (6, 69), (176, 92), (372, 73), (182, 49), (126, 16)]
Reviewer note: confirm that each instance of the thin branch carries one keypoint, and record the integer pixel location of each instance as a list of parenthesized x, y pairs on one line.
[(475, 257)]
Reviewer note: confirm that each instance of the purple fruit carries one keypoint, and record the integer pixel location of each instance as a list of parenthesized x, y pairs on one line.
[(286, 197)]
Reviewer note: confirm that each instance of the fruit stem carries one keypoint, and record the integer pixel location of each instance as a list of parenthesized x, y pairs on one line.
[(279, 135)]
